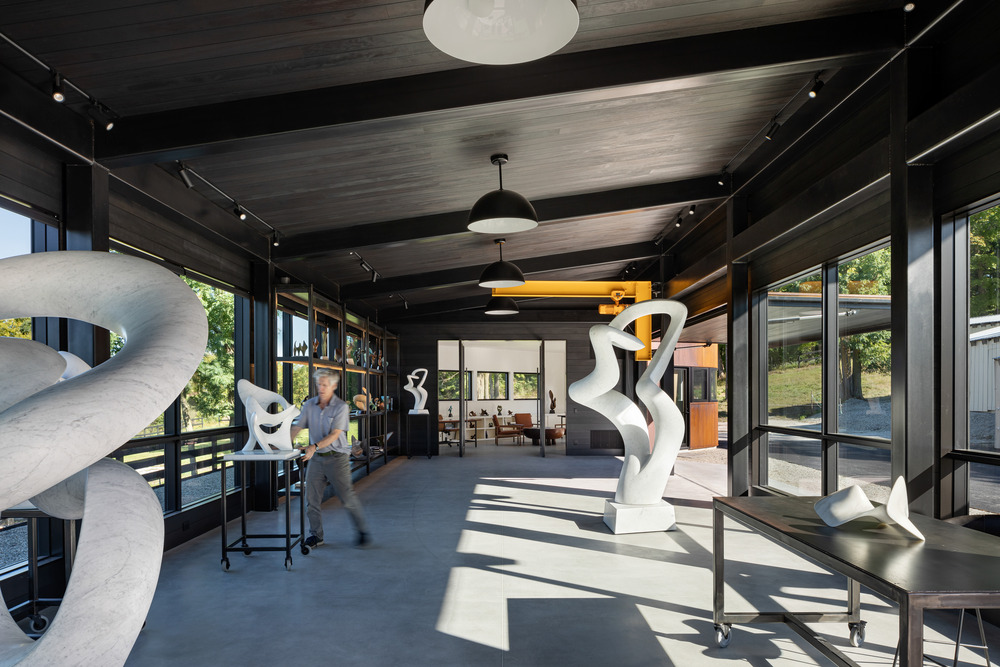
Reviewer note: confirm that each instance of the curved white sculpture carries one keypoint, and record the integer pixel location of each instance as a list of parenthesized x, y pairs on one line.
[(256, 401), (418, 391), (647, 466), (52, 441), (851, 503)]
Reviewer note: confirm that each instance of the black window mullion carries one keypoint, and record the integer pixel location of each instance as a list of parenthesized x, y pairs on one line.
[(830, 346)]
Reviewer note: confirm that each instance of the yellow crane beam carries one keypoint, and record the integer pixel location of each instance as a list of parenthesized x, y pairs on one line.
[(616, 290)]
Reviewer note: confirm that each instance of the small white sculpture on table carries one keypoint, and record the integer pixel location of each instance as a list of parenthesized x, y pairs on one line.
[(256, 401), (418, 391), (638, 506), (851, 503)]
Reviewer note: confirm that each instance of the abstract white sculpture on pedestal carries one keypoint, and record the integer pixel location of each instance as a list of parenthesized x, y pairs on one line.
[(638, 504), (256, 401), (52, 439), (418, 391), (851, 503)]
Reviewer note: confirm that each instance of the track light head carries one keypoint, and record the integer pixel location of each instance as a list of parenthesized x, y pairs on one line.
[(772, 131), (677, 222), (186, 176), (909, 7), (814, 91), (275, 239), (722, 177), (375, 275), (102, 116), (58, 89), (691, 210), (239, 212)]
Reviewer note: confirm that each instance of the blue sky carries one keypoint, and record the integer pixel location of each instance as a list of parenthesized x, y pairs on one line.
[(15, 234)]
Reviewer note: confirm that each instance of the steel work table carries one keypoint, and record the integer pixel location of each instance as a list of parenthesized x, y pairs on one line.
[(290, 539), (954, 568)]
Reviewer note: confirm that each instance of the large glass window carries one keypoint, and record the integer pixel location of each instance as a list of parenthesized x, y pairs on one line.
[(491, 386), (984, 329), (794, 353), (794, 464), (448, 385), (868, 467), (526, 386), (208, 401), (864, 345)]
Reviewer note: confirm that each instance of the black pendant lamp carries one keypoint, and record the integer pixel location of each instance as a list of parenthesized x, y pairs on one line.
[(502, 305), (501, 274), (495, 32), (502, 211)]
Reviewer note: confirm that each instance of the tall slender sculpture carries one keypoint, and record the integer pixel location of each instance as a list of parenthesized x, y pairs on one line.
[(418, 391), (638, 505), (54, 436), (256, 401)]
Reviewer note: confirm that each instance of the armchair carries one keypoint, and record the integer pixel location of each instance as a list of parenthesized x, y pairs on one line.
[(507, 431)]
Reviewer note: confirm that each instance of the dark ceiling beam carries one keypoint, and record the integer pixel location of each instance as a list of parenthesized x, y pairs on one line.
[(314, 244), (701, 272), (966, 116), (470, 274), (159, 191), (855, 181), (213, 129), (31, 108)]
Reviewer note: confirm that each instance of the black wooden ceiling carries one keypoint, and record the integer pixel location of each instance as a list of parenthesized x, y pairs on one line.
[(338, 124)]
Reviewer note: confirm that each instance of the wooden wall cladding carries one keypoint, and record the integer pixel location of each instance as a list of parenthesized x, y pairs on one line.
[(30, 171), (138, 226)]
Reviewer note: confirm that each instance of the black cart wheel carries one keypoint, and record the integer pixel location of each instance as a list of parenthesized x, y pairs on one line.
[(288, 562), (225, 564), (857, 633), (304, 549), (723, 635), (38, 623)]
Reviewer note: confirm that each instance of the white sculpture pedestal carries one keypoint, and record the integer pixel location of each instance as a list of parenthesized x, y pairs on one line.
[(622, 519)]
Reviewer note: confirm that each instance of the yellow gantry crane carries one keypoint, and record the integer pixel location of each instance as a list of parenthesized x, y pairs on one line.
[(616, 290)]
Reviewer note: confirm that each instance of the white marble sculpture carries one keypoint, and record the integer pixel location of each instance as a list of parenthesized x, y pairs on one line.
[(418, 391), (256, 402), (54, 435), (851, 503), (638, 505)]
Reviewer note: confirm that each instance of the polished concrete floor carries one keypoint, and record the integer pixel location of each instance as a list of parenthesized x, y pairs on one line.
[(498, 558)]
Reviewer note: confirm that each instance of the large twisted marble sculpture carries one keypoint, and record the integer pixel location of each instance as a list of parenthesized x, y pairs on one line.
[(639, 504), (54, 435), (256, 401), (851, 503), (418, 391)]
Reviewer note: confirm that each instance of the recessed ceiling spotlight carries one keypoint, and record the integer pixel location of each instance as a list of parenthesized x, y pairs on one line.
[(58, 89), (909, 7)]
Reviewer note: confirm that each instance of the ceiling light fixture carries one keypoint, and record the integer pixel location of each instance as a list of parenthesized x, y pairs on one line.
[(677, 222), (502, 211), (186, 175), (490, 32), (773, 130), (275, 238), (722, 177), (817, 86), (691, 210), (501, 273), (239, 212), (58, 90), (102, 116), (502, 305), (909, 7)]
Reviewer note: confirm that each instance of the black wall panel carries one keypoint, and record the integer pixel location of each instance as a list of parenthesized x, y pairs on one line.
[(30, 169)]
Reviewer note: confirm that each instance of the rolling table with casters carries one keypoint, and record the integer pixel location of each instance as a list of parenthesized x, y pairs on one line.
[(240, 543), (954, 568)]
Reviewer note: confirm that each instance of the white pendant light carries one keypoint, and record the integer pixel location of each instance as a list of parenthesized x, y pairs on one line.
[(501, 274), (502, 211), (500, 32)]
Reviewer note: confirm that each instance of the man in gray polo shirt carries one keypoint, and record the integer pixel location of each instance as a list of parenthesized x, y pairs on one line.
[(327, 418)]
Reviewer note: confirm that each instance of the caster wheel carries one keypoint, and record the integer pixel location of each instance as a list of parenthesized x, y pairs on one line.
[(857, 634), (225, 564), (288, 563), (304, 549), (723, 635), (38, 623)]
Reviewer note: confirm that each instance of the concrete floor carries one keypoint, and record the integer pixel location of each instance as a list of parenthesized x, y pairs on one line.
[(502, 558)]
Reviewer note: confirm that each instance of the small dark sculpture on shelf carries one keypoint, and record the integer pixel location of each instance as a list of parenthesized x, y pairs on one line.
[(552, 405), (472, 413), (499, 410), (449, 412), (510, 413), (484, 413)]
